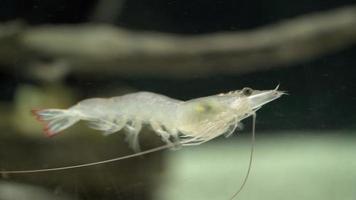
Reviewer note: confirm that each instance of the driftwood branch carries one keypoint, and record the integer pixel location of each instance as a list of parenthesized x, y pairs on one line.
[(102, 48)]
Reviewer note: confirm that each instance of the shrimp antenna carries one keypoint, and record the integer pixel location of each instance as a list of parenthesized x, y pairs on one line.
[(250, 160), (276, 87), (87, 164)]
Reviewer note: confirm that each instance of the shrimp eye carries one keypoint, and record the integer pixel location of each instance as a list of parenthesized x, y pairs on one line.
[(247, 91)]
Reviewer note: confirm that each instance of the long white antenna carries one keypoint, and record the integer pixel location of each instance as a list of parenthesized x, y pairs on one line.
[(251, 158), (87, 164)]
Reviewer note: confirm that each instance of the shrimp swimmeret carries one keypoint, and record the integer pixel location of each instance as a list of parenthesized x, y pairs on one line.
[(178, 123)]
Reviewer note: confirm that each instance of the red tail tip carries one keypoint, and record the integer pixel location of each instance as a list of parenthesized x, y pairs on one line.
[(34, 112), (46, 130)]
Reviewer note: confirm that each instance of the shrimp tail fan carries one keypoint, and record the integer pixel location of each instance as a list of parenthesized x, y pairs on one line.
[(55, 120)]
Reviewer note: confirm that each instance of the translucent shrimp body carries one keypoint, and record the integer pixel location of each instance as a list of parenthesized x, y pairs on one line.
[(177, 122)]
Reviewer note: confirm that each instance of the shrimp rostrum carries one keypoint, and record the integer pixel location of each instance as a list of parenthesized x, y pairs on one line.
[(178, 123)]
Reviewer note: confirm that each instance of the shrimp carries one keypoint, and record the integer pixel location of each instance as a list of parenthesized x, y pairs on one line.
[(178, 123)]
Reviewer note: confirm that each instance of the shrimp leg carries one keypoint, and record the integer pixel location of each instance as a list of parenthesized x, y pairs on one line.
[(165, 135), (233, 127), (176, 140), (134, 129), (193, 142)]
